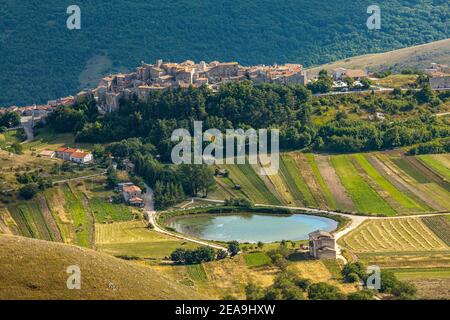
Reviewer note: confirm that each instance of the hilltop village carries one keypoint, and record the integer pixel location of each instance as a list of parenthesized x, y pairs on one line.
[(163, 75)]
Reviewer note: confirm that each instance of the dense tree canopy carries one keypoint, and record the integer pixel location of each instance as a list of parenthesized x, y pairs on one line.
[(43, 60)]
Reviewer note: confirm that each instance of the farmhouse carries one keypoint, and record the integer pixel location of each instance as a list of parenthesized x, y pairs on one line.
[(322, 245), (81, 157), (131, 194), (136, 202), (65, 153), (74, 155)]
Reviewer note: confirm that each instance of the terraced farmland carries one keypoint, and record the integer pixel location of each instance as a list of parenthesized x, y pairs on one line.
[(383, 183), (393, 235), (30, 221), (82, 220), (364, 197), (418, 179), (295, 180), (252, 185), (397, 199)]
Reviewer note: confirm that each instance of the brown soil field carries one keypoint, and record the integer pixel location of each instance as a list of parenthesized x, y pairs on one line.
[(343, 201)]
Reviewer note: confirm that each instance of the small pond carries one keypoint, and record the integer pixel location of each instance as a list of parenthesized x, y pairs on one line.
[(251, 227)]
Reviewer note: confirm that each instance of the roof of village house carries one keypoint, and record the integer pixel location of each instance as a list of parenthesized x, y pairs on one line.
[(319, 234), (67, 150), (79, 155), (131, 189), (47, 153), (135, 199)]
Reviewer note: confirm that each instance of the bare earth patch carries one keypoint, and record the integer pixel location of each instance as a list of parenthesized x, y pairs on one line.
[(334, 184)]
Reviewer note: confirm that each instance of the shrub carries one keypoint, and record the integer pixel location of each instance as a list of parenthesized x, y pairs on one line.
[(324, 291), (233, 248), (199, 255), (28, 191), (353, 272), (351, 278), (361, 295), (221, 254)]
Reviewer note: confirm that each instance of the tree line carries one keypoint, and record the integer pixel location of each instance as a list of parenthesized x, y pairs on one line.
[(245, 105)]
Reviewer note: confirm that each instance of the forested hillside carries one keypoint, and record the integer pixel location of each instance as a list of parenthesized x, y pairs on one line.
[(41, 59)]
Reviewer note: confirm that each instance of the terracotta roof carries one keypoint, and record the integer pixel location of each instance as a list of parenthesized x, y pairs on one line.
[(136, 199), (79, 155), (131, 189), (67, 150)]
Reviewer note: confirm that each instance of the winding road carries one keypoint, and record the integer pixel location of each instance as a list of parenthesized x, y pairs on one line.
[(151, 214)]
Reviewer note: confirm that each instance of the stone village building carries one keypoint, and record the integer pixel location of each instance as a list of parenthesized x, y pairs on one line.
[(164, 75), (322, 245)]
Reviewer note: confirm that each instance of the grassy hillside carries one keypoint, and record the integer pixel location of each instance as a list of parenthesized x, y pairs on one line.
[(39, 51), (416, 56), (23, 276)]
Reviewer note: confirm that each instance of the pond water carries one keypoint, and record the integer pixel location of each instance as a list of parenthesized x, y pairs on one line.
[(251, 227)]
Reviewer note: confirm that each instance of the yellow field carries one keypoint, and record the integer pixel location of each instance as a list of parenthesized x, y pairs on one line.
[(389, 235), (316, 271), (133, 239)]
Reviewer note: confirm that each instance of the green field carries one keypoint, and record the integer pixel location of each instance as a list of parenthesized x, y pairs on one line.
[(81, 217), (251, 184), (406, 203), (256, 259), (440, 225), (403, 164), (421, 273), (30, 221), (108, 212), (364, 197), (295, 181), (197, 273), (323, 186), (434, 163)]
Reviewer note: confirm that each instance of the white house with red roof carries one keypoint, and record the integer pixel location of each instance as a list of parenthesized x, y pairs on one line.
[(74, 155)]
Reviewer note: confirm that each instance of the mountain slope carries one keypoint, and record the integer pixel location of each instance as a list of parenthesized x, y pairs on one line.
[(35, 269), (42, 59), (417, 56)]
